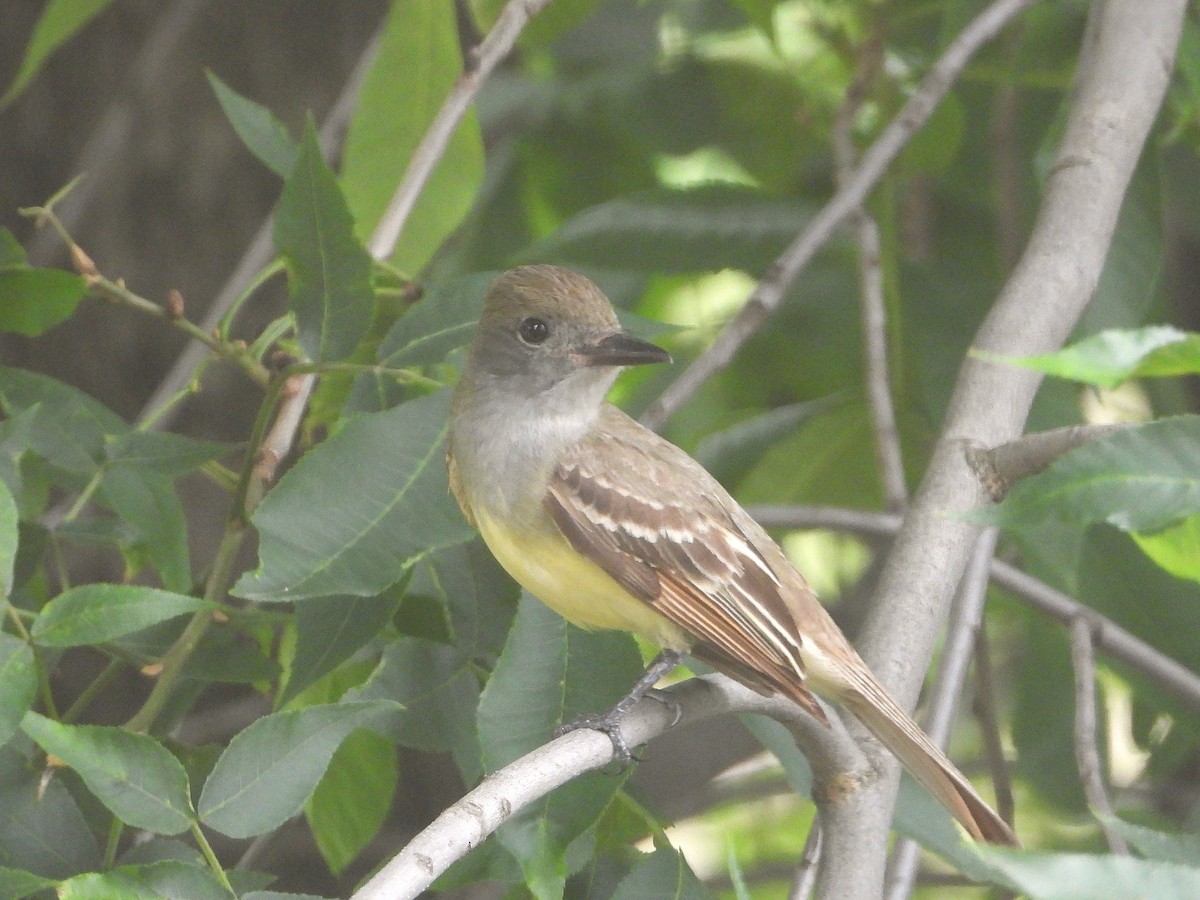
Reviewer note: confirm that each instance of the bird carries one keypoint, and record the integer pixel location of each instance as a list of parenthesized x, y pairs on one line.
[(614, 527)]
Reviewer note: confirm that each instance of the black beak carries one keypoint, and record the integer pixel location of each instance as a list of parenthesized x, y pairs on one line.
[(620, 349)]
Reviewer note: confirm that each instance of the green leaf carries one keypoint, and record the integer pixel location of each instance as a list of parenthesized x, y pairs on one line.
[(41, 827), (68, 428), (9, 537), (136, 777), (16, 885), (60, 19), (1140, 479), (18, 683), (279, 895), (329, 630), (96, 613), (661, 875), (1111, 357), (269, 770), (1175, 548), (1076, 876), (32, 301), (443, 320), (260, 131), (419, 47), (382, 489), (11, 251), (164, 452), (329, 272), (438, 689), (167, 879), (353, 799), (147, 501), (549, 673), (694, 230), (1158, 845)]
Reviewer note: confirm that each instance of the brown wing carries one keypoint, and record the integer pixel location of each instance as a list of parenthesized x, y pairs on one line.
[(660, 526)]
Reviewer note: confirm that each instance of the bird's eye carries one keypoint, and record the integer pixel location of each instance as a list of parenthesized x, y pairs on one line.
[(533, 330)]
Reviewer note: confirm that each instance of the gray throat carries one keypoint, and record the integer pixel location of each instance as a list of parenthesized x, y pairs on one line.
[(507, 439)]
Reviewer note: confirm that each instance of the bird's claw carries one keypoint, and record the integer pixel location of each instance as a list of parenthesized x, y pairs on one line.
[(609, 723)]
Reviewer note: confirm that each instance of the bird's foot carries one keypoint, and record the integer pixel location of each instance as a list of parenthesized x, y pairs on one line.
[(609, 723)]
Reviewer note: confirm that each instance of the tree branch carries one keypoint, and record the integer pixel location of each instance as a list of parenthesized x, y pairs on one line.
[(481, 61), (999, 468), (1123, 74), (1174, 678), (850, 196), (1086, 755), (833, 756), (870, 276), (966, 617)]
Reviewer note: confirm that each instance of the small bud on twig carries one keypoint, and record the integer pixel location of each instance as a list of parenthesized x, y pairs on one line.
[(83, 263), (174, 304)]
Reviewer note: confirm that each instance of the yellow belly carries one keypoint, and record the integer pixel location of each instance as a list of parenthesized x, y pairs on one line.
[(572, 585)]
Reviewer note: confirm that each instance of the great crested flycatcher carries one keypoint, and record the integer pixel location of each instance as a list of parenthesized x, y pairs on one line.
[(615, 528)]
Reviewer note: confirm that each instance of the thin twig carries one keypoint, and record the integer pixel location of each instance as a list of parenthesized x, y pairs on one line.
[(1091, 772), (805, 877), (257, 255), (966, 616), (877, 375), (1000, 467), (989, 728), (1174, 678), (770, 290), (480, 63)]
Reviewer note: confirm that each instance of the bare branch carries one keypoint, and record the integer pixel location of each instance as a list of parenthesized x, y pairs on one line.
[(770, 291), (1086, 755), (257, 255), (989, 728), (805, 877), (1121, 80), (1174, 678), (835, 759), (482, 60), (874, 311), (966, 616), (999, 468)]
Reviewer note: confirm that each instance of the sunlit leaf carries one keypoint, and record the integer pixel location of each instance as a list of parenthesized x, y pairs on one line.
[(1111, 357), (164, 880), (354, 797), (419, 48), (32, 301)]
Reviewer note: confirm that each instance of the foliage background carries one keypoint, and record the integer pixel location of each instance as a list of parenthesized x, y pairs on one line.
[(670, 150)]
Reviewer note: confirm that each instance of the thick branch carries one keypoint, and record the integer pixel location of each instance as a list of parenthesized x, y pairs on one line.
[(1123, 74)]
